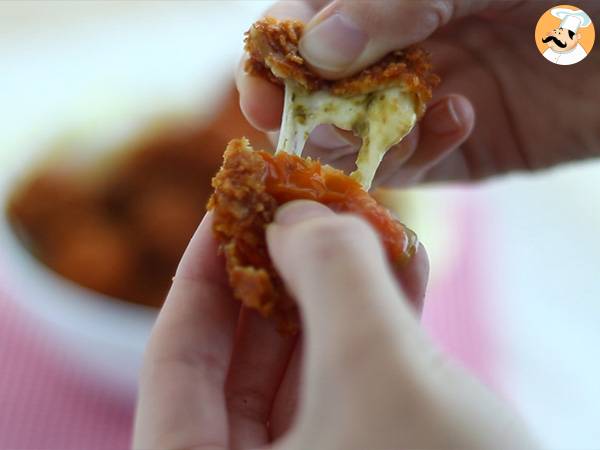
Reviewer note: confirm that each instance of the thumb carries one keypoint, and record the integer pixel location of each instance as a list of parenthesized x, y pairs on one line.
[(335, 267), (348, 36)]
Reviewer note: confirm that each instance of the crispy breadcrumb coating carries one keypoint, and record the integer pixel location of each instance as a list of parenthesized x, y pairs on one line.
[(272, 46), (249, 188)]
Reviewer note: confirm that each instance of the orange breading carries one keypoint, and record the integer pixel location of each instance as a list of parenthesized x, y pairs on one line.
[(272, 46), (249, 188)]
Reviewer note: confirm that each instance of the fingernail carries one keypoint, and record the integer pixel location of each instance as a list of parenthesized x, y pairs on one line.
[(300, 211), (443, 118), (334, 43)]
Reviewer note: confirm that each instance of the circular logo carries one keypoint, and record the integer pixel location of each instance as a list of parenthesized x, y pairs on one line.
[(564, 35)]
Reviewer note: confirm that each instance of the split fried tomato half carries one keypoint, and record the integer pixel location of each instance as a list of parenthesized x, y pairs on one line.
[(249, 188)]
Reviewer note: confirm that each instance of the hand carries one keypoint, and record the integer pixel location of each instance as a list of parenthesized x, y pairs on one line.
[(500, 107), (364, 375)]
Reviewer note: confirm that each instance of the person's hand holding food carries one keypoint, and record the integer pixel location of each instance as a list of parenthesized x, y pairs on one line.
[(363, 375), (342, 270), (492, 76)]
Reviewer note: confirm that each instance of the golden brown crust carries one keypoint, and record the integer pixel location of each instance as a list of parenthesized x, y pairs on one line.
[(272, 46), (242, 209)]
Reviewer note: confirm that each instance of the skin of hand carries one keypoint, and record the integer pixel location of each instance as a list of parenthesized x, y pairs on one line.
[(363, 375), (501, 106)]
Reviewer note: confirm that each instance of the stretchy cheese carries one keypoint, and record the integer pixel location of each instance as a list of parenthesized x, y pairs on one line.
[(380, 118), (380, 104)]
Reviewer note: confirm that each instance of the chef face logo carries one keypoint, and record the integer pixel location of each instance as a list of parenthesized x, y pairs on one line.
[(561, 40), (564, 35)]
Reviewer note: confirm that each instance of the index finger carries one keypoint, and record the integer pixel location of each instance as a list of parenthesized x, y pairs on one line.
[(181, 399)]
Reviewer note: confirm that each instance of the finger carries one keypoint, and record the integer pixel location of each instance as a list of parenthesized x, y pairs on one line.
[(445, 127), (286, 401), (348, 36), (181, 401), (328, 143), (260, 100), (333, 264), (396, 156), (412, 277), (294, 9), (259, 359), (344, 158)]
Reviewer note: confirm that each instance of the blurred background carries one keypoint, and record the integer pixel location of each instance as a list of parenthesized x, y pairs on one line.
[(113, 117)]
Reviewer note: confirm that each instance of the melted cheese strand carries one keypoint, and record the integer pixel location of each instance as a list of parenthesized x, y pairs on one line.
[(381, 119)]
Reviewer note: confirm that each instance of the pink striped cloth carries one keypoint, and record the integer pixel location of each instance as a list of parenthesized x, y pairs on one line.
[(47, 401), (459, 311)]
